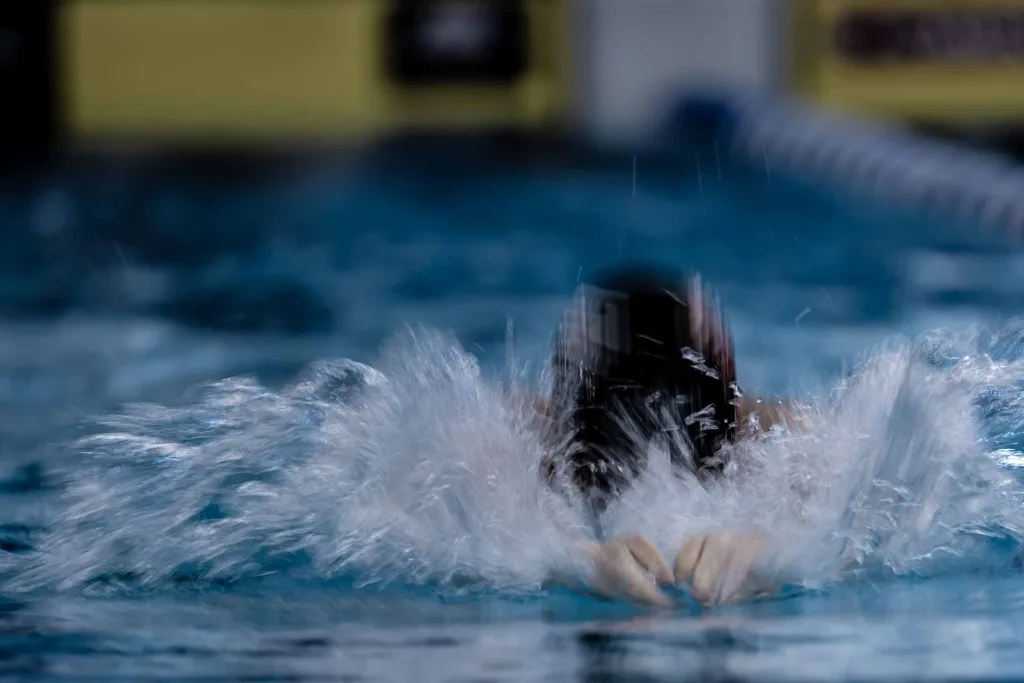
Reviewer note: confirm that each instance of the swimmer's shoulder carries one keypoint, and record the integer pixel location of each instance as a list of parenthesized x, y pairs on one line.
[(758, 414)]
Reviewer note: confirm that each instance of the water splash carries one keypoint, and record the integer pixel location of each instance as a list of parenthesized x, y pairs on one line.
[(420, 471)]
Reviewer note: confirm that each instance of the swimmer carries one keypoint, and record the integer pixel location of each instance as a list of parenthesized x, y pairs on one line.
[(641, 350)]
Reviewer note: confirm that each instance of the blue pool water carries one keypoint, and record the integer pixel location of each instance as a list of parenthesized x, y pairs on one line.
[(315, 519)]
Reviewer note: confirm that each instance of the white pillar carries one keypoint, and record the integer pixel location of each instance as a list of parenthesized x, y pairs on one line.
[(638, 55)]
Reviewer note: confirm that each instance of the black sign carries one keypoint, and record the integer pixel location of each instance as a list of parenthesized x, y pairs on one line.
[(456, 41), (948, 36), (28, 115)]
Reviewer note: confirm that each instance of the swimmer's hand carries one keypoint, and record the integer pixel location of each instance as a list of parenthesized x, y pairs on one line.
[(721, 567), (716, 568), (630, 567)]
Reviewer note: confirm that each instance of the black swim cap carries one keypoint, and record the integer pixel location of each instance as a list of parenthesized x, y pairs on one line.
[(642, 350)]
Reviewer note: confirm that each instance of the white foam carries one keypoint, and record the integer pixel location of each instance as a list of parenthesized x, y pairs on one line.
[(421, 471)]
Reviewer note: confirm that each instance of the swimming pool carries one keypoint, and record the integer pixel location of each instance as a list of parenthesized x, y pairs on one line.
[(219, 538)]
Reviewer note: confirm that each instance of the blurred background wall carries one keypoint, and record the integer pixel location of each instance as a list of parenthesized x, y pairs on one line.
[(321, 70), (228, 71)]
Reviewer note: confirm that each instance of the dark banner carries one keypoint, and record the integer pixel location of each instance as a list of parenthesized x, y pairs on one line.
[(960, 35), (28, 115), (438, 42)]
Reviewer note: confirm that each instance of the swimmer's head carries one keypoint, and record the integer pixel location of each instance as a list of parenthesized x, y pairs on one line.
[(642, 351)]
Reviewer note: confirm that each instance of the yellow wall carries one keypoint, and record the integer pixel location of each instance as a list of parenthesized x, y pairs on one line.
[(273, 69), (967, 92)]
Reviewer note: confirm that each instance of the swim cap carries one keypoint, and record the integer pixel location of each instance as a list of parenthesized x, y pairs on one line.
[(642, 352)]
